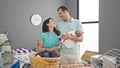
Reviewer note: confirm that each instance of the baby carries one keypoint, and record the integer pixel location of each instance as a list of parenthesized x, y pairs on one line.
[(77, 33), (69, 43)]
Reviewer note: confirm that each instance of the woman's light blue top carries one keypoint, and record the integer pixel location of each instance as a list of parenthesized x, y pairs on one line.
[(49, 39)]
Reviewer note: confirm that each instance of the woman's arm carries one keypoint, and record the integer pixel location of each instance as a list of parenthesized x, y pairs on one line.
[(40, 47)]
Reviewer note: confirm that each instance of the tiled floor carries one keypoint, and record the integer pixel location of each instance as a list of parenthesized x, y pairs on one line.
[(63, 66), (74, 66)]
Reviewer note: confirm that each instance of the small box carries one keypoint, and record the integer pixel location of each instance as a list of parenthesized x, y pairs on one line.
[(87, 55)]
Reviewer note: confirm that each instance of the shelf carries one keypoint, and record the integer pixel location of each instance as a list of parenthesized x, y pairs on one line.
[(111, 57)]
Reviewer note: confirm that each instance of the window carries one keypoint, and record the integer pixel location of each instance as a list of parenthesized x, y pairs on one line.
[(88, 10), (89, 16)]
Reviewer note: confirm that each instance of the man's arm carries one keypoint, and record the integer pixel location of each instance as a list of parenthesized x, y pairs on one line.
[(74, 38), (77, 39)]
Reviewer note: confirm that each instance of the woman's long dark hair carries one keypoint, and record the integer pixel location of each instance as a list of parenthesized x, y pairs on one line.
[(46, 29)]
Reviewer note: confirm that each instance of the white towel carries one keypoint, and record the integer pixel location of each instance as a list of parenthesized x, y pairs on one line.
[(68, 43)]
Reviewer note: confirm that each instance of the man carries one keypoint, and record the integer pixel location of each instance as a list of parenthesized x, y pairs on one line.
[(67, 24)]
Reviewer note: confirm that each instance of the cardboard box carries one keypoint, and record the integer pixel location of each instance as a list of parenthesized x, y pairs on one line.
[(87, 55)]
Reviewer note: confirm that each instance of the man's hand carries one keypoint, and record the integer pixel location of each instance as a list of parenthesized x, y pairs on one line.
[(66, 36)]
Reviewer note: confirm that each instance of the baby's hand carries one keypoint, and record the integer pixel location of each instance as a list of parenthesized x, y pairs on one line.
[(59, 36)]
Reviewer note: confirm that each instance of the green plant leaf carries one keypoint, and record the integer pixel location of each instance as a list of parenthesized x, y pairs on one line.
[(1, 44), (7, 43)]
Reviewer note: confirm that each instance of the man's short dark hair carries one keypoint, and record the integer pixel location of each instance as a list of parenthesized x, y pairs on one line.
[(63, 8)]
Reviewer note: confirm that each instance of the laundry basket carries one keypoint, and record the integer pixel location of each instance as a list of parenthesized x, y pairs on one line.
[(43, 62)]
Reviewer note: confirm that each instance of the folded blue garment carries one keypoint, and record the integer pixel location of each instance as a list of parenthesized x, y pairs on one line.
[(48, 54), (16, 65)]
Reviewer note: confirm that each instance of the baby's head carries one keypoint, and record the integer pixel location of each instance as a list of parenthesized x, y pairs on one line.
[(77, 33)]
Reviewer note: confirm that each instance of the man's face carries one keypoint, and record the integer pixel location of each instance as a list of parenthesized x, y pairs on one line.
[(62, 14)]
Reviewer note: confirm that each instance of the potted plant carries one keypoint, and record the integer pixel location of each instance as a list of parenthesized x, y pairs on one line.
[(5, 43), (5, 49), (5, 52)]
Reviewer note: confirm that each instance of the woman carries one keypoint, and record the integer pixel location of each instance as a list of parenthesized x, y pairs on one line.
[(48, 39)]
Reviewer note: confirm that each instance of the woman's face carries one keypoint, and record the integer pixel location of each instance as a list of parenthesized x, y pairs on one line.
[(51, 23)]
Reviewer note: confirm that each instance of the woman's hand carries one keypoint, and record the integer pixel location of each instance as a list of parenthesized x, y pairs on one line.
[(55, 48), (58, 46)]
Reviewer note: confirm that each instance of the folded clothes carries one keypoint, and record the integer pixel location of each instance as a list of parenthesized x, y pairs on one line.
[(47, 54)]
